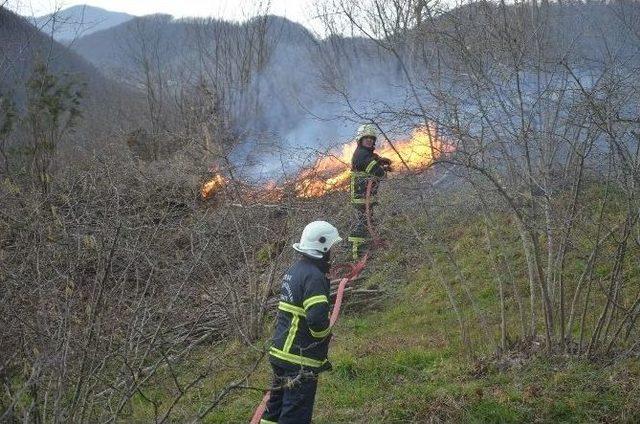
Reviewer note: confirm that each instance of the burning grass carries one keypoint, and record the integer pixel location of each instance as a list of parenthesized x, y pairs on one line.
[(331, 172), (211, 187)]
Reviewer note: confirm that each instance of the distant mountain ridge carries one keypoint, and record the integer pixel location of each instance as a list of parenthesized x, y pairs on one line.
[(107, 48), (23, 46), (78, 21)]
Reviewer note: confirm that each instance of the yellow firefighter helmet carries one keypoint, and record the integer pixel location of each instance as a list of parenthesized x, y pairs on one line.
[(367, 130)]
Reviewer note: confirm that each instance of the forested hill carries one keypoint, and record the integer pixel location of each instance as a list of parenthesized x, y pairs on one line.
[(74, 22), (23, 45), (284, 97)]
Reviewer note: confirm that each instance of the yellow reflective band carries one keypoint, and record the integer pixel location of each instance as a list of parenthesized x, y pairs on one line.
[(370, 166), (292, 333), (320, 334), (355, 239), (288, 307), (296, 359), (263, 421), (313, 300), (356, 243), (354, 196)]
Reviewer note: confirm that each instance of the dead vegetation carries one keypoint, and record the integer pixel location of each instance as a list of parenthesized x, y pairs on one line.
[(114, 269)]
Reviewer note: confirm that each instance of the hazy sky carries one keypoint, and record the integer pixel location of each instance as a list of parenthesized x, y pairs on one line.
[(296, 10)]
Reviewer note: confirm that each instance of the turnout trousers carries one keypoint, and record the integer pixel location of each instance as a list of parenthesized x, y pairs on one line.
[(359, 236), (292, 397)]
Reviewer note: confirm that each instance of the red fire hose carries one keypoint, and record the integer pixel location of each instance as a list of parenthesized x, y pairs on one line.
[(353, 272)]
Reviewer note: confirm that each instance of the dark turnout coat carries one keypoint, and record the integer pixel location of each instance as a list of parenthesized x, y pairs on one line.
[(301, 337), (365, 166)]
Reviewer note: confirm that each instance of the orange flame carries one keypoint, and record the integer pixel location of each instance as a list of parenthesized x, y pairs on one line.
[(212, 186), (332, 172), (269, 192), (328, 173)]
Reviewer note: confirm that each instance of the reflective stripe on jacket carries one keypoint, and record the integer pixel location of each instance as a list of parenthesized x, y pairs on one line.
[(302, 325), (365, 165)]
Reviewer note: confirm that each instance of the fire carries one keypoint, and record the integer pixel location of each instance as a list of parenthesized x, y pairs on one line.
[(333, 171), (328, 173), (270, 192), (212, 186), (418, 152)]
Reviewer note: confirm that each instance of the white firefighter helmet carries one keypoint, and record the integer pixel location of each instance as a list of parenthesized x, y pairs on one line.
[(317, 238), (367, 130)]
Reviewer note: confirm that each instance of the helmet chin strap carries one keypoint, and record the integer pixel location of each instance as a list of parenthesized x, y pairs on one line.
[(325, 262), (326, 256)]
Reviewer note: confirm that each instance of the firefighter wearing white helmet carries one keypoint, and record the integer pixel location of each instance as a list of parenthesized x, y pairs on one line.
[(302, 332), (365, 166), (317, 238)]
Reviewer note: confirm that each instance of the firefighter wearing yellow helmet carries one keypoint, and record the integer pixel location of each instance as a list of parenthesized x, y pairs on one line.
[(365, 166)]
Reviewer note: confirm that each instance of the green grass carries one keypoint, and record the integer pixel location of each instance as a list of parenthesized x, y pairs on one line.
[(404, 362)]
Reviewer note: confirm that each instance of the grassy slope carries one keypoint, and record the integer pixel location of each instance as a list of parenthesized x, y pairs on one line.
[(403, 362)]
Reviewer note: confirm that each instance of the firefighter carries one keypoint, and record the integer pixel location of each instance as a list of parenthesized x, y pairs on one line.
[(301, 339), (365, 166)]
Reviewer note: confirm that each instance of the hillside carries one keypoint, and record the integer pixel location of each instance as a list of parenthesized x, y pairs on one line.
[(147, 224), (74, 22), (400, 358), (286, 100), (112, 48), (23, 45)]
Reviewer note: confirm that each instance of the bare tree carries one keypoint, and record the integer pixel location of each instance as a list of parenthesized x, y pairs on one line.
[(537, 103)]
